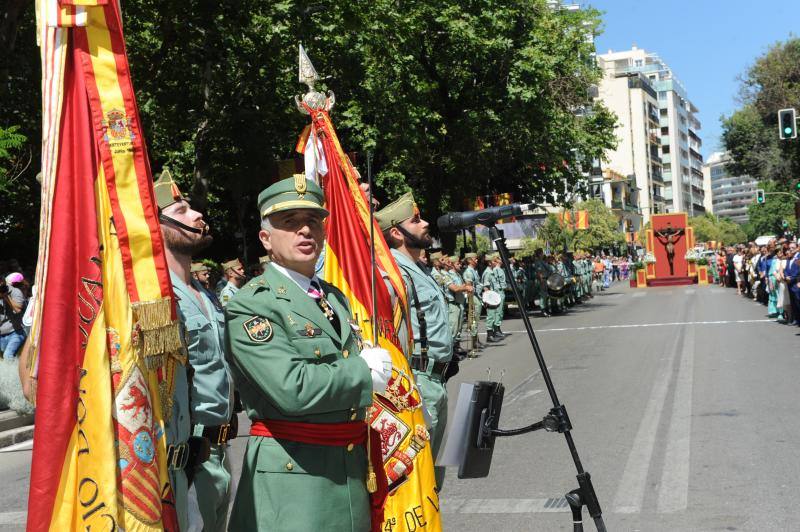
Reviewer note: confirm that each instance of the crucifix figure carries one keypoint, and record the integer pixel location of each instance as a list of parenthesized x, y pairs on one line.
[(668, 238)]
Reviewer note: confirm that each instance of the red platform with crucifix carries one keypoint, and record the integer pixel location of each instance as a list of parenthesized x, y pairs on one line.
[(668, 241)]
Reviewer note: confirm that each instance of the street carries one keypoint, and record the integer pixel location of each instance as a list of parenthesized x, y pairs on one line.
[(682, 406)]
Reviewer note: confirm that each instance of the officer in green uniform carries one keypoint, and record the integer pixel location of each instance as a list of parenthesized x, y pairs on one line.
[(541, 272), (522, 283), (407, 234), (304, 380), (234, 273), (438, 271), (210, 387), (471, 278)]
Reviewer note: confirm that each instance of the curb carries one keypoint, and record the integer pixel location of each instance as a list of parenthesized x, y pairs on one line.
[(17, 435)]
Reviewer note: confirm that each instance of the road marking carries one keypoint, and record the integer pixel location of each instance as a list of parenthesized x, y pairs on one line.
[(673, 492), (504, 506), (630, 492), (639, 294), (21, 446), (524, 395), (635, 325), (13, 518)]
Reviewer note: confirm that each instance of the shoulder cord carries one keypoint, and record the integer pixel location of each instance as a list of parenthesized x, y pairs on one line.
[(423, 326)]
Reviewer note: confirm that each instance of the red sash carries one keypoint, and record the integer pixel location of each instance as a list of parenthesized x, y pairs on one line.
[(333, 435)]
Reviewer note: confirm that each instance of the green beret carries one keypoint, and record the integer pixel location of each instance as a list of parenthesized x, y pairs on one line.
[(198, 267), (293, 193), (167, 191), (397, 212), (471, 256), (231, 264)]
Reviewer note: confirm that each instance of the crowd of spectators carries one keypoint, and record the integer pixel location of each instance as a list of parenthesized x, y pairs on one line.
[(768, 275)]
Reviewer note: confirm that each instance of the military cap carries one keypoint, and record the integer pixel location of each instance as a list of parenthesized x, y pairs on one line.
[(199, 267), (453, 258), (293, 193), (436, 255), (264, 260), (397, 212), (231, 265), (492, 256), (471, 256), (166, 190)]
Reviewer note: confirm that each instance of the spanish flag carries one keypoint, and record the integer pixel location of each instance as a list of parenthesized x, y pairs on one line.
[(582, 220), (105, 337), (396, 415)]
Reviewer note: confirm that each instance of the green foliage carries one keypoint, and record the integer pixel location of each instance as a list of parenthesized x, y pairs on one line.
[(529, 246), (702, 261), (751, 133), (11, 140), (638, 265), (456, 99), (603, 231), (767, 218), (710, 227), (483, 242)]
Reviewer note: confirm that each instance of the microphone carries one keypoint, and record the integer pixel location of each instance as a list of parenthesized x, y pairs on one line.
[(455, 221)]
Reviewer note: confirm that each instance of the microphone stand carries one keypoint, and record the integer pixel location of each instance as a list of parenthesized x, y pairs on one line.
[(557, 419)]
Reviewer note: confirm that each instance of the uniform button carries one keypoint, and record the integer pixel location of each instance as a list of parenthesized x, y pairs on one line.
[(345, 353), (349, 447), (289, 466), (317, 352), (353, 416)]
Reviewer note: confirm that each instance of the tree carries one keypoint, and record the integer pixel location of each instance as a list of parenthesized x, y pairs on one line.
[(603, 231), (767, 218), (709, 227), (529, 247), (751, 133), (456, 99), (483, 242)]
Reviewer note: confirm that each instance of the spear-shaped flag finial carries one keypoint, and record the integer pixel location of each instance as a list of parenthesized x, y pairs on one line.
[(308, 74)]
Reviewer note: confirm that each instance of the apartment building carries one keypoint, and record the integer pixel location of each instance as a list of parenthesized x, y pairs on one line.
[(731, 195), (658, 132)]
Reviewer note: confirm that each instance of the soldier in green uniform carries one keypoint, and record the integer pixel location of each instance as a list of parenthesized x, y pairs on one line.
[(459, 290), (234, 273), (407, 234), (210, 387), (304, 380), (471, 278), (522, 283), (541, 272), (200, 272), (502, 283), (488, 282)]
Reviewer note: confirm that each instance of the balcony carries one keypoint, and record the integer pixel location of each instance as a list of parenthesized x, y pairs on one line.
[(622, 206)]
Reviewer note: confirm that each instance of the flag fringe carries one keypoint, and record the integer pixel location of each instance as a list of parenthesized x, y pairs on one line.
[(154, 314)]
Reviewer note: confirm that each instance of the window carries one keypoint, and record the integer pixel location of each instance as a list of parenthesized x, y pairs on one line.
[(662, 95), (665, 149), (638, 63), (663, 113), (665, 131)]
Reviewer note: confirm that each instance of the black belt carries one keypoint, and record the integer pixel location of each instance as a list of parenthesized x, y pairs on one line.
[(221, 434), (422, 364)]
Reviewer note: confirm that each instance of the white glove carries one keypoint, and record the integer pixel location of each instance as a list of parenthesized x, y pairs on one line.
[(380, 365)]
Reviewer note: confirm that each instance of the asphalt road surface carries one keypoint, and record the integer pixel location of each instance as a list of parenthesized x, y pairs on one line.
[(683, 406)]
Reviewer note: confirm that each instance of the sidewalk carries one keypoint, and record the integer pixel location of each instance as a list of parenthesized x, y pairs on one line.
[(15, 428)]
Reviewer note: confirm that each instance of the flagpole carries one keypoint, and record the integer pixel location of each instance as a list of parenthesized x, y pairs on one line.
[(372, 252)]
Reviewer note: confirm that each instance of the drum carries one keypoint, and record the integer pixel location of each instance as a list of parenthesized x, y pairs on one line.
[(555, 285), (491, 299)]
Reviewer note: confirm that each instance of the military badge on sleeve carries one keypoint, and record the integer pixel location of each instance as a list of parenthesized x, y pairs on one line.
[(258, 329)]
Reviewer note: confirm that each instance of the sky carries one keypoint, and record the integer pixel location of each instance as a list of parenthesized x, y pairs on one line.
[(706, 43)]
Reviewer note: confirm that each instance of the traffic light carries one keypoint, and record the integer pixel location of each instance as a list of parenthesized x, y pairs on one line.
[(760, 198), (787, 124)]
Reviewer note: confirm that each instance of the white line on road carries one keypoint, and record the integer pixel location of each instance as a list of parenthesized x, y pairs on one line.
[(673, 492), (639, 294), (634, 325), (503, 506), (630, 492)]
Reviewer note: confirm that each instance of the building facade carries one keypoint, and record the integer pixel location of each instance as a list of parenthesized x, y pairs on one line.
[(658, 132), (731, 195)]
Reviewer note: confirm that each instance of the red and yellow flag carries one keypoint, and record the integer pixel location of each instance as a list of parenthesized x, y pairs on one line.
[(405, 447), (582, 220), (105, 337)]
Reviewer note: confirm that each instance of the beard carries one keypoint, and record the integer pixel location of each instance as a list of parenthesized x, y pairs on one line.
[(182, 243), (423, 241)]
